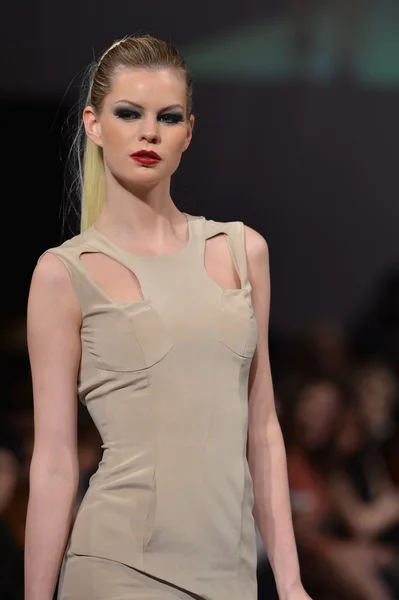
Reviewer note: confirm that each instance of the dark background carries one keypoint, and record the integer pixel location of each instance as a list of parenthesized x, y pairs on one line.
[(306, 156), (297, 129)]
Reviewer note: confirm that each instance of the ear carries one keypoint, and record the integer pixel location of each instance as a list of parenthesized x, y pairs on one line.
[(190, 127), (92, 125)]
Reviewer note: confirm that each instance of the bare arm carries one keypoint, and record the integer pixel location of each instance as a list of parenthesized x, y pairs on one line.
[(53, 324), (266, 451)]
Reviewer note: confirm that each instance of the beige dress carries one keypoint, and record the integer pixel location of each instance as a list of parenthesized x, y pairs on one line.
[(168, 513)]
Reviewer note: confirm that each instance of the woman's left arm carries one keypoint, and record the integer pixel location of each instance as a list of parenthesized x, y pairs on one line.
[(266, 451)]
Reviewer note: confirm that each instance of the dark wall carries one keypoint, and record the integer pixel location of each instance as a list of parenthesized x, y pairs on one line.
[(312, 166)]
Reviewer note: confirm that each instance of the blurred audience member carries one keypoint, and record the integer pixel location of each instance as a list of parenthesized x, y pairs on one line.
[(11, 555), (376, 392), (15, 514), (332, 559), (360, 481)]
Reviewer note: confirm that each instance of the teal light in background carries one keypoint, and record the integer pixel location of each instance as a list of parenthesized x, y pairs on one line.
[(252, 52), (378, 60), (265, 52)]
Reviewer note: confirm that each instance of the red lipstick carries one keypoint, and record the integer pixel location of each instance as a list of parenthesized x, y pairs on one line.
[(146, 157)]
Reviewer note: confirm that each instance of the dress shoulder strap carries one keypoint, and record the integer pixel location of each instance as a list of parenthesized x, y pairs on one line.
[(235, 233), (69, 254)]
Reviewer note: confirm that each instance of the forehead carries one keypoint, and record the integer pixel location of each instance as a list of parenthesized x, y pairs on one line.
[(157, 87)]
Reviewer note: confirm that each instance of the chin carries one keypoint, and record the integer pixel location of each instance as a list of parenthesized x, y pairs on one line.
[(143, 181)]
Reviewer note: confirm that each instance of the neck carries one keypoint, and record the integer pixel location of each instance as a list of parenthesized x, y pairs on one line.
[(140, 213)]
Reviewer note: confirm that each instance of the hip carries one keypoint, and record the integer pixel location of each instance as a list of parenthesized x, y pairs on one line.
[(93, 578)]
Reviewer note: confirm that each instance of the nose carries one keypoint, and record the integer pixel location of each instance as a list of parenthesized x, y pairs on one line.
[(149, 131)]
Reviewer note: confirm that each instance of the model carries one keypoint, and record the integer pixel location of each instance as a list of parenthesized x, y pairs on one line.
[(158, 321)]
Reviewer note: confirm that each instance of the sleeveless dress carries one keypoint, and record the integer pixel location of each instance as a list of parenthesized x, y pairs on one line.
[(165, 380)]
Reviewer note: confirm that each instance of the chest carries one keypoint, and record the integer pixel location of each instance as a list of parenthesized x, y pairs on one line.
[(140, 310), (123, 284)]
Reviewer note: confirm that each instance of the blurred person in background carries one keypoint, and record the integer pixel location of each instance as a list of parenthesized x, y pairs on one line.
[(22, 423), (362, 481), (193, 450), (376, 391), (11, 554), (333, 560)]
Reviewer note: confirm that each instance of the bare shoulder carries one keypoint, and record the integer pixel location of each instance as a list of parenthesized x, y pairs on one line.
[(256, 248), (50, 271), (51, 287)]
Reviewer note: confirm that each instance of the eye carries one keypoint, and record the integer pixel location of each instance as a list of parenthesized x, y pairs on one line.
[(126, 114), (171, 118)]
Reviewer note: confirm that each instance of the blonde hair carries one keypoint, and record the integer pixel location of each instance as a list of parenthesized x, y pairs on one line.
[(144, 52)]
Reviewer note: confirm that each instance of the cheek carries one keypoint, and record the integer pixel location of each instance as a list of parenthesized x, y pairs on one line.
[(172, 145), (117, 138), (176, 139)]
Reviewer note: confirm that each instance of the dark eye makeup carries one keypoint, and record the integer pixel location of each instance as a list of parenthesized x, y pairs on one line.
[(128, 114)]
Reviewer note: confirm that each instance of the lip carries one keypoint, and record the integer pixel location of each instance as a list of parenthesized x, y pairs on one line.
[(146, 154)]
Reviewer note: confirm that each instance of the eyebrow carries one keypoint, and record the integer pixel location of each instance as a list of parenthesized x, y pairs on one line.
[(142, 107)]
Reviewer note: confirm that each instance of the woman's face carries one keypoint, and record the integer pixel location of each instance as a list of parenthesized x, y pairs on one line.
[(317, 411), (144, 110)]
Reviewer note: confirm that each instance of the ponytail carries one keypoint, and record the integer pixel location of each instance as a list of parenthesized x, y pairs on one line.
[(93, 189)]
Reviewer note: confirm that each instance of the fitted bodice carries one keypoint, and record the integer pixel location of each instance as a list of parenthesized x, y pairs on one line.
[(165, 380)]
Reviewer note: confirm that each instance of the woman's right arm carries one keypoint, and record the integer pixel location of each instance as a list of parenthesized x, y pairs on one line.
[(53, 330)]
